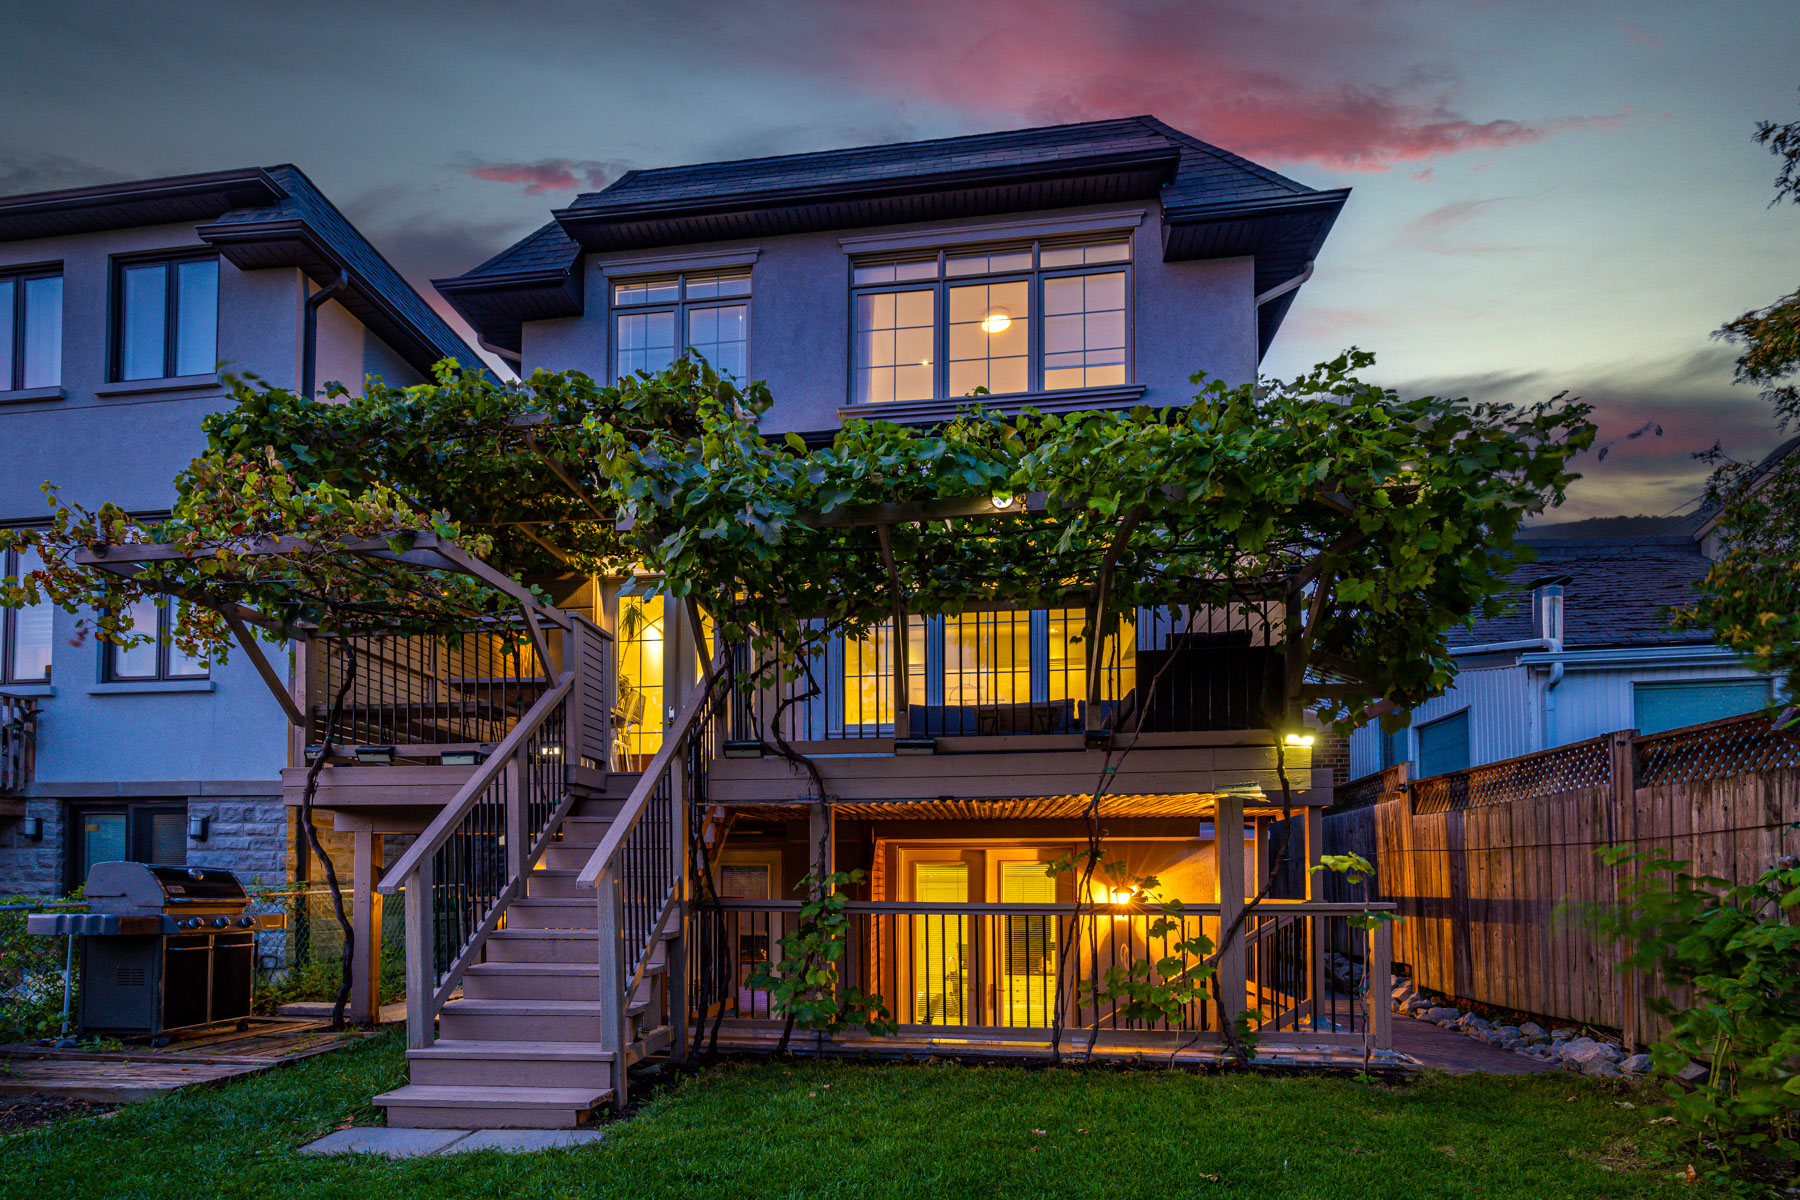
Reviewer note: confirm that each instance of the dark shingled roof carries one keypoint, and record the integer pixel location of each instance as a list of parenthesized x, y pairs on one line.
[(1215, 204), (1618, 592), (397, 312)]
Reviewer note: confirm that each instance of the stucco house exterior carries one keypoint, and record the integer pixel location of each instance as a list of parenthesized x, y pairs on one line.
[(120, 306), (1584, 648)]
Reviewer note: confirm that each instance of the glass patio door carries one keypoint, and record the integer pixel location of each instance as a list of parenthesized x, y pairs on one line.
[(941, 968), (1027, 983)]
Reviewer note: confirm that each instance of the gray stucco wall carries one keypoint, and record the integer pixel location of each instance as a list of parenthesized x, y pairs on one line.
[(218, 744), (1186, 316)]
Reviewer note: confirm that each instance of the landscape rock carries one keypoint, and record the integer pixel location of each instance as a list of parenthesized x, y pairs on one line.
[(1532, 1029), (1637, 1064), (1509, 1031), (1441, 1016), (1580, 1052), (1601, 1068)]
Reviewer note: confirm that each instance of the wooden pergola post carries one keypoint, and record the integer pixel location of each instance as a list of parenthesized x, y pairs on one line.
[(365, 919)]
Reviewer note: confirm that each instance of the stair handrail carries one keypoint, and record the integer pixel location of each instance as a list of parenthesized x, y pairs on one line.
[(451, 815), (632, 811)]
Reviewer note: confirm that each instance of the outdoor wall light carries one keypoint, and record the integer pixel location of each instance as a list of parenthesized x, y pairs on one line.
[(915, 745), (313, 753), (743, 749), (1299, 739), (1124, 897), (997, 321), (550, 750), (32, 829), (462, 758), (1002, 501), (375, 756), (198, 825), (1097, 739)]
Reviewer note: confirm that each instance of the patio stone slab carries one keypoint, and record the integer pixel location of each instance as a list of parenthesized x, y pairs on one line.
[(524, 1141), (379, 1139)]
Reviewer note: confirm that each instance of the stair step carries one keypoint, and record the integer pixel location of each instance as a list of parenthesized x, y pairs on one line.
[(548, 883), (532, 981), (503, 1064), (521, 1020), (585, 831), (543, 946), (432, 1106), (553, 912), (567, 856)]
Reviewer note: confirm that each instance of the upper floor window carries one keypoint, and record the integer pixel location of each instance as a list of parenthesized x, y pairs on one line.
[(31, 329), (1033, 317), (159, 658), (24, 632), (167, 318), (656, 321)]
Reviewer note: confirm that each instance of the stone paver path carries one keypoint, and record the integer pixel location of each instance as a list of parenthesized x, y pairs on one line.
[(1458, 1053), (417, 1143)]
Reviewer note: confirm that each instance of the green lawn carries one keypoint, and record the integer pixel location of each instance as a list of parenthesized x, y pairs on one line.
[(850, 1130)]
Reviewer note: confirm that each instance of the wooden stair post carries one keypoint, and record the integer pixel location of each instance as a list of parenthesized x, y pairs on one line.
[(421, 972), (613, 1036), (1228, 842)]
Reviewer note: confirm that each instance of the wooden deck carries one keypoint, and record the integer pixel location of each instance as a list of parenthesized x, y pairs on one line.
[(139, 1073)]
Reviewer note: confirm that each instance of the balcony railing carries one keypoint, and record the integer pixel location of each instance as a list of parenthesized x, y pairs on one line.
[(1007, 674), (18, 743), (1016, 970), (463, 693)]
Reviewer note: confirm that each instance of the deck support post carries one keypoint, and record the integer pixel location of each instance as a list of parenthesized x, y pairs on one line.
[(1380, 979), (1228, 830), (365, 968), (421, 968), (1313, 886)]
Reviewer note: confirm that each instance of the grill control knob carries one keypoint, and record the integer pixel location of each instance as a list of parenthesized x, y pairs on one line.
[(191, 923), (221, 922), (246, 922)]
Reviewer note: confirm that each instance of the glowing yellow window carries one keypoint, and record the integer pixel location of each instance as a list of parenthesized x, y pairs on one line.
[(640, 711)]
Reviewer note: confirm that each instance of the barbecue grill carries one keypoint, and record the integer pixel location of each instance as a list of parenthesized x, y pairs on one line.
[(163, 949)]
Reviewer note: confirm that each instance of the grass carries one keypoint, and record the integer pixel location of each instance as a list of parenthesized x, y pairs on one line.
[(854, 1130)]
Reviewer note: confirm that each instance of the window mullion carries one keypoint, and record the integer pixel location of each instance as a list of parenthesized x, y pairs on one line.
[(171, 314)]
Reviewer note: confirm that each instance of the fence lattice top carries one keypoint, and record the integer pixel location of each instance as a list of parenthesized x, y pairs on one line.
[(1734, 746), (1577, 765)]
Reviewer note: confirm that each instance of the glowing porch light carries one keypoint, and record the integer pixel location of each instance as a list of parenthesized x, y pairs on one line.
[(996, 322), (1299, 739)]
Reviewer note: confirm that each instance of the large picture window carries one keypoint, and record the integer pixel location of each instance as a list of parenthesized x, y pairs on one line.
[(158, 658), (1033, 317), (656, 321), (24, 632), (167, 319), (31, 330)]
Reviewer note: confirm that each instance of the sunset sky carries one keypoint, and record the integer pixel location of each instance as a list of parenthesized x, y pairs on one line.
[(1548, 196)]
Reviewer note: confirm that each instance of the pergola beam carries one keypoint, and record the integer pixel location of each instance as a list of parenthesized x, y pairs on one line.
[(562, 472)]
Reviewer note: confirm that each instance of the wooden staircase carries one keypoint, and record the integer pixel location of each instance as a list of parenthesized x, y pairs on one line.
[(524, 1048)]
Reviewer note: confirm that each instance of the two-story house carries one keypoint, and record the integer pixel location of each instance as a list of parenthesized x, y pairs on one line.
[(120, 306), (1069, 268)]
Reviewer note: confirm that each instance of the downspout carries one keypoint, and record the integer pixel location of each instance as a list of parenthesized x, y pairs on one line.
[(1547, 620), (309, 350)]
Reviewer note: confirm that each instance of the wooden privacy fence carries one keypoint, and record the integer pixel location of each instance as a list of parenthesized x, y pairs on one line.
[(1494, 869)]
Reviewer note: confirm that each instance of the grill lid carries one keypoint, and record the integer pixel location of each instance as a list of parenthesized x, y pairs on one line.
[(128, 887)]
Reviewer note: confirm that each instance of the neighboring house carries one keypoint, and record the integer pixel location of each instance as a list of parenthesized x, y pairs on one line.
[(1584, 648), (119, 307)]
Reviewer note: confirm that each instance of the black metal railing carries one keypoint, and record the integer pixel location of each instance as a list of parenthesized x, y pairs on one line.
[(469, 871), (1016, 966), (423, 691), (1010, 673)]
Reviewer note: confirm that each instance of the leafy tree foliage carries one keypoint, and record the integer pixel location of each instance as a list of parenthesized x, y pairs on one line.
[(1380, 523), (1751, 597)]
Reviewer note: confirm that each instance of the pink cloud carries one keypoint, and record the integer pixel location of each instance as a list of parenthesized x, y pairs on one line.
[(549, 174), (1346, 87)]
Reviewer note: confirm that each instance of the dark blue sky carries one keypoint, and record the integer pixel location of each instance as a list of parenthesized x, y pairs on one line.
[(1549, 195)]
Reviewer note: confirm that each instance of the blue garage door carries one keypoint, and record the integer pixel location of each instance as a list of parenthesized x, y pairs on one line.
[(1659, 706), (1444, 744)]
